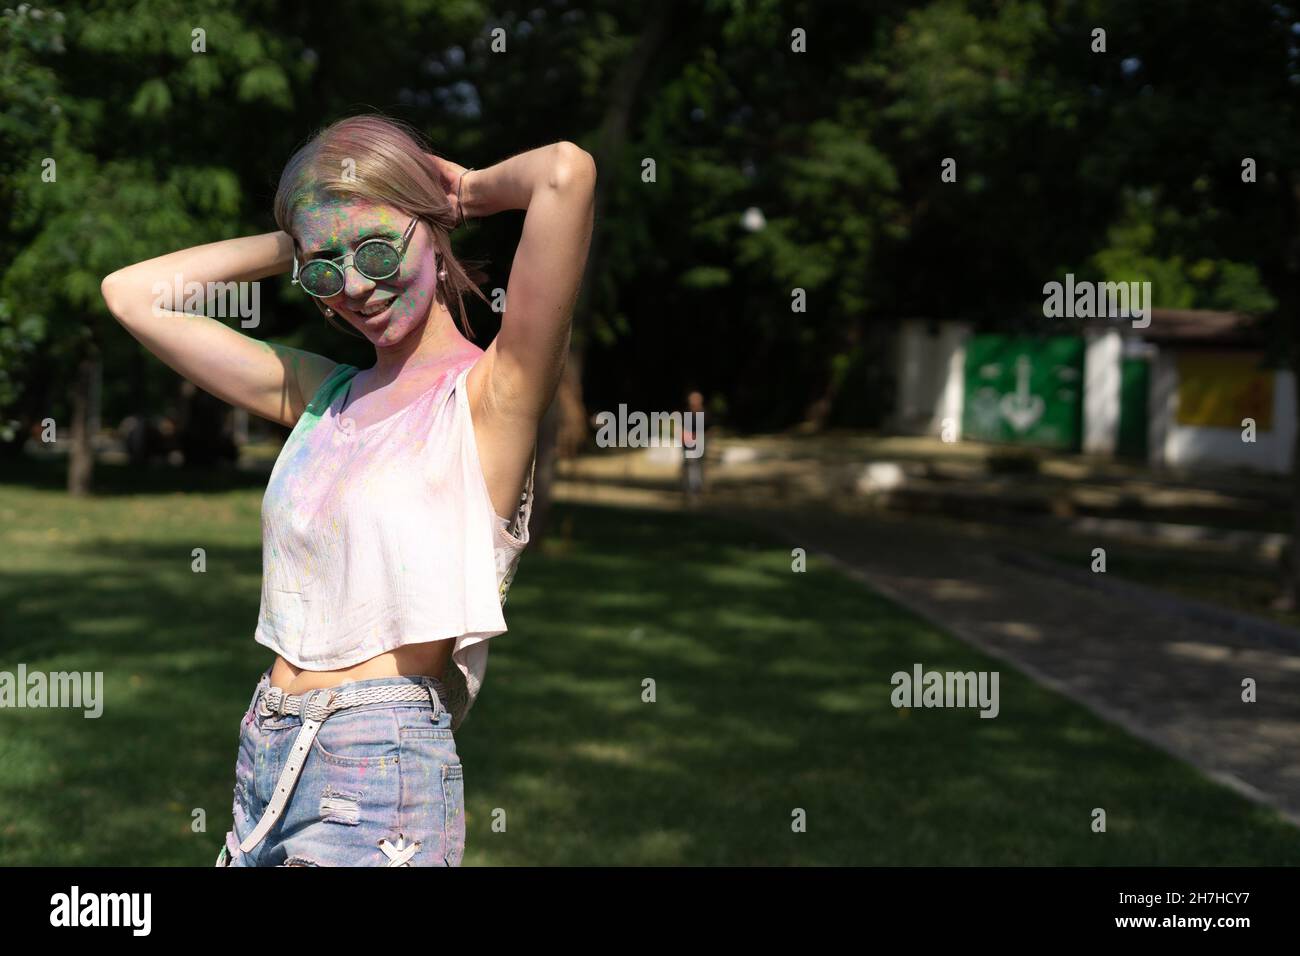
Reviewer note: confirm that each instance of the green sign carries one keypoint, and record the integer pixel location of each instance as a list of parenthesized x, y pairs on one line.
[(1024, 390)]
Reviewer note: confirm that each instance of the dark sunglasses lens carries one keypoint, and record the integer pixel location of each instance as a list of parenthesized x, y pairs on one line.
[(321, 278), (377, 259)]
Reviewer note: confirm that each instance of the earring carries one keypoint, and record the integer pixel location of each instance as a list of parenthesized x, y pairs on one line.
[(442, 273)]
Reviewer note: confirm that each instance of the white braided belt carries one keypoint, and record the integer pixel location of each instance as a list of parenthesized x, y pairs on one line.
[(315, 706)]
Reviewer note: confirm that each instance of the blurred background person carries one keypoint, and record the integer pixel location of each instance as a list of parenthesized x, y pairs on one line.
[(694, 428)]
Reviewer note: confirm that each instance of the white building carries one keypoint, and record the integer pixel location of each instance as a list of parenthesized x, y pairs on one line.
[(1193, 389)]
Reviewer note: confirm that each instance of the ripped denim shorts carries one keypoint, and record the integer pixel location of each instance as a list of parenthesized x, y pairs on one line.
[(381, 785)]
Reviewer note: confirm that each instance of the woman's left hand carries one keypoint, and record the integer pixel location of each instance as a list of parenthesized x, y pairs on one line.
[(449, 177)]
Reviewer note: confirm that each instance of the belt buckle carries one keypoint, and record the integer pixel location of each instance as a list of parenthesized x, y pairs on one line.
[(314, 708)]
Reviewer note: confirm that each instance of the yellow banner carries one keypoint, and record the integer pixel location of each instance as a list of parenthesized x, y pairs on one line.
[(1219, 389)]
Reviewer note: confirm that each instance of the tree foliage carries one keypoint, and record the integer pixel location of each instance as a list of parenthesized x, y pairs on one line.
[(776, 170)]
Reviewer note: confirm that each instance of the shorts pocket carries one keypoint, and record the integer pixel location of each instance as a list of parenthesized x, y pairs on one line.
[(359, 738), (433, 796), (243, 798)]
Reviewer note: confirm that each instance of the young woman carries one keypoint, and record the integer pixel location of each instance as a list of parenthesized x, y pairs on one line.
[(398, 508)]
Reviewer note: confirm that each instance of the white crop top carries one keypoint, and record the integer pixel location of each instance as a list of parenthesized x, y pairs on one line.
[(385, 535)]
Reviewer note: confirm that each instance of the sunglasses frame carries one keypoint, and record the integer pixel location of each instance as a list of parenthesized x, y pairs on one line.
[(341, 265)]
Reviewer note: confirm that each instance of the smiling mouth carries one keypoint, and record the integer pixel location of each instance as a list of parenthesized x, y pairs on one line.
[(370, 312)]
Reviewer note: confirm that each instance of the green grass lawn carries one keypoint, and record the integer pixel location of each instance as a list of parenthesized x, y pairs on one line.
[(772, 698)]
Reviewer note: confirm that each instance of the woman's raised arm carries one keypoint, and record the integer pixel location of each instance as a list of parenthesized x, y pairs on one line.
[(556, 185), (272, 381)]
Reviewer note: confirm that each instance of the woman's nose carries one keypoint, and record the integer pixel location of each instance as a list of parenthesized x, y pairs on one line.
[(355, 285)]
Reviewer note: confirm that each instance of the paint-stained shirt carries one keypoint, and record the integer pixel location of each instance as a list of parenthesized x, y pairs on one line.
[(385, 535)]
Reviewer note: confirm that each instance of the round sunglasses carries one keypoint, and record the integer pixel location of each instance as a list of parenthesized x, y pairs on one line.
[(375, 259)]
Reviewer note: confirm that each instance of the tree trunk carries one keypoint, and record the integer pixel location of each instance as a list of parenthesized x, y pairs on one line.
[(561, 434), (564, 426), (544, 479), (818, 412), (81, 457)]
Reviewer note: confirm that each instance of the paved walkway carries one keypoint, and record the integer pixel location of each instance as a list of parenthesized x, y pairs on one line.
[(1172, 681)]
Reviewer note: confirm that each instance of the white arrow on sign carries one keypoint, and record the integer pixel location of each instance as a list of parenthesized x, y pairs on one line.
[(1020, 408)]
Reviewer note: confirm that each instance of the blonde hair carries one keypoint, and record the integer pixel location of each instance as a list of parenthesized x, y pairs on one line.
[(387, 161)]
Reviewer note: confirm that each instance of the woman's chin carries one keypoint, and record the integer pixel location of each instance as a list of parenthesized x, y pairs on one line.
[(388, 332)]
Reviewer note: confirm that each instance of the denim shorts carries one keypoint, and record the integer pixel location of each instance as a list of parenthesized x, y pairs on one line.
[(377, 775)]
